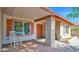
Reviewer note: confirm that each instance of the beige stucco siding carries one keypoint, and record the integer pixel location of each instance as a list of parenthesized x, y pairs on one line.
[(59, 28), (62, 32)]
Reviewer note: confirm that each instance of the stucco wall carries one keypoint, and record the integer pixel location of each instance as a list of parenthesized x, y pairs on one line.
[(62, 34), (60, 30), (6, 39)]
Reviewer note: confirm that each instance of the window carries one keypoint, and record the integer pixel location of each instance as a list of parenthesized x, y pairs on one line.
[(21, 27), (66, 29), (18, 27), (26, 28)]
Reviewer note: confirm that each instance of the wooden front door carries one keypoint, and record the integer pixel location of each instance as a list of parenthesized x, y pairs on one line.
[(39, 30)]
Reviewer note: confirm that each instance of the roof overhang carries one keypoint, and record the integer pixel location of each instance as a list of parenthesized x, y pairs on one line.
[(31, 13), (55, 14), (26, 12)]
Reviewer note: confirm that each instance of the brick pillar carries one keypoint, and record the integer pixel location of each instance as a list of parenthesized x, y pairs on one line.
[(50, 31)]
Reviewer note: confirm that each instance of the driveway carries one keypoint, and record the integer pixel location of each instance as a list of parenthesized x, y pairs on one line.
[(74, 43), (63, 47)]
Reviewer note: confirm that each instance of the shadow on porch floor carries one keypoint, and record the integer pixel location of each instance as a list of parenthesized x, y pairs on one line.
[(30, 46), (33, 46)]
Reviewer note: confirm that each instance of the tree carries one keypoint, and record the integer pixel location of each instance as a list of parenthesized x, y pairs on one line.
[(76, 30), (74, 13)]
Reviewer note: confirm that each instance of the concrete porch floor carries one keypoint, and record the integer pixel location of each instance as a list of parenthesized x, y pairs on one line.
[(33, 46), (30, 46)]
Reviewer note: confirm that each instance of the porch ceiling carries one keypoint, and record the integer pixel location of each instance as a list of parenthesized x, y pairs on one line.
[(26, 12)]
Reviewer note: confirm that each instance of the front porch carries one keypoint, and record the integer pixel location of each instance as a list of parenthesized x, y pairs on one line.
[(41, 30), (33, 46), (23, 24), (29, 46)]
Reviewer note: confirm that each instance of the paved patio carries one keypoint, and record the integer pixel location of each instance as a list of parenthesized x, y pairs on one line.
[(32, 46)]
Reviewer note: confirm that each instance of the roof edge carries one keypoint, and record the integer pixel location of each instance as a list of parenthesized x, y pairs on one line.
[(53, 13)]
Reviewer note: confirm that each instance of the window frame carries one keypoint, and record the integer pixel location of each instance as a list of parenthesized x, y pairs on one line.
[(23, 33)]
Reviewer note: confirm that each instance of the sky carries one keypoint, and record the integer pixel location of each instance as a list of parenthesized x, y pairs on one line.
[(63, 11)]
